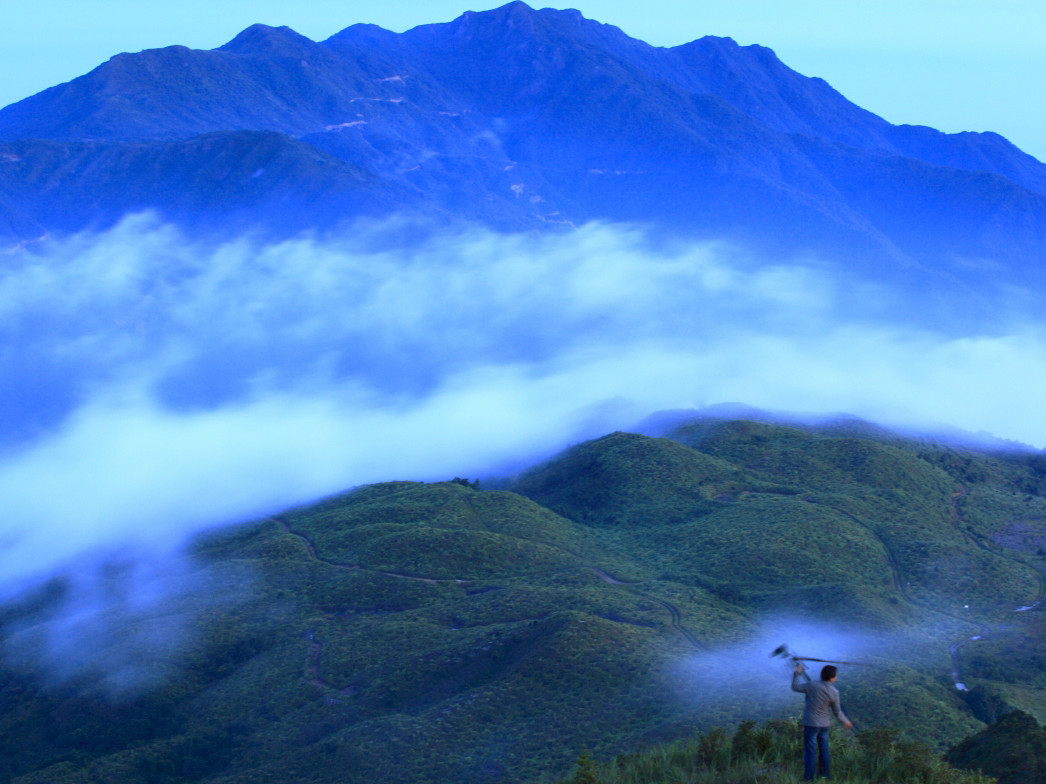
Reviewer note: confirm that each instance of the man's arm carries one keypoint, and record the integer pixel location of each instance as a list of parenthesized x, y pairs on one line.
[(837, 709), (797, 684)]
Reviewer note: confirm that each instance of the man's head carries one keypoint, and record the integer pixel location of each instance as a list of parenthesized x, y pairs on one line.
[(828, 672)]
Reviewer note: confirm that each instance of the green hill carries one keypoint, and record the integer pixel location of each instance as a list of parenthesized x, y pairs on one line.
[(1012, 750), (615, 596)]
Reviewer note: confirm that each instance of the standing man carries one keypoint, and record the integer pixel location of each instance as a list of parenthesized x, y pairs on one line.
[(822, 700)]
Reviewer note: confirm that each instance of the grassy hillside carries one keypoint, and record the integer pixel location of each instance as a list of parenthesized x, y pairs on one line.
[(771, 753), (615, 596)]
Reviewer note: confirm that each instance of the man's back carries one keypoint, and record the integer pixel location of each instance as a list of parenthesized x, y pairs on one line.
[(822, 700)]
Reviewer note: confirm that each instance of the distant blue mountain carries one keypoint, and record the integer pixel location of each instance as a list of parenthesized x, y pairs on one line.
[(518, 119)]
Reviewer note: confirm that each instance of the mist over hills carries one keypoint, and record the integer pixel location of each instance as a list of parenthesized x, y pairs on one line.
[(521, 222), (413, 632)]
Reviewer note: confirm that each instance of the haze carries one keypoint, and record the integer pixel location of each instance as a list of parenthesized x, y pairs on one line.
[(158, 385)]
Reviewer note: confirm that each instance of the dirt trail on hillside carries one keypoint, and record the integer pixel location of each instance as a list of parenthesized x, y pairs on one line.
[(312, 671), (674, 612), (902, 587), (957, 496), (356, 567), (983, 631), (604, 576), (312, 662)]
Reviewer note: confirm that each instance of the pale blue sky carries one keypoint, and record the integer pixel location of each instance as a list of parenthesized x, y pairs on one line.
[(953, 64)]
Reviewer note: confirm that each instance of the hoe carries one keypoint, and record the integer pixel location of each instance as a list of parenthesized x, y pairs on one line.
[(785, 653)]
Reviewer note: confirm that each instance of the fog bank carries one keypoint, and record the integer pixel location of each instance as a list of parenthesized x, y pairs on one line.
[(153, 386)]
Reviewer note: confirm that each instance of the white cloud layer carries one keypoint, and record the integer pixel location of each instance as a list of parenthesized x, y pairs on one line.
[(152, 386)]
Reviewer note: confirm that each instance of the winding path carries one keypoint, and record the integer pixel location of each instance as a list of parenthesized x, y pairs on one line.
[(312, 670), (312, 666), (957, 496), (677, 620), (281, 523), (983, 631), (673, 611)]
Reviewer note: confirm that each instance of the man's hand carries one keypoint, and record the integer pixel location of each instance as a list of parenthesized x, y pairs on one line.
[(799, 668), (848, 724)]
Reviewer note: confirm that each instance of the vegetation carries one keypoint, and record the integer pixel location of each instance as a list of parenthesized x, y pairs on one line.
[(1013, 750), (771, 753), (411, 632)]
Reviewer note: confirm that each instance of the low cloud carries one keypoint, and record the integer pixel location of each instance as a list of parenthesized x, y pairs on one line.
[(153, 385), (119, 628), (763, 680)]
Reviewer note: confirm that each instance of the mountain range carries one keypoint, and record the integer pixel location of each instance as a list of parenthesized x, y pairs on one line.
[(518, 119)]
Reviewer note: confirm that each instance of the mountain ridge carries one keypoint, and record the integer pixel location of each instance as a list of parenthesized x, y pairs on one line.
[(749, 82), (524, 119)]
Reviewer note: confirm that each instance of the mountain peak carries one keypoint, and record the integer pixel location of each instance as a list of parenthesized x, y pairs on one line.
[(517, 16), (512, 16), (363, 30), (263, 39), (517, 8)]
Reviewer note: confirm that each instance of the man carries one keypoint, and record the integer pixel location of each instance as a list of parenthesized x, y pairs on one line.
[(822, 700)]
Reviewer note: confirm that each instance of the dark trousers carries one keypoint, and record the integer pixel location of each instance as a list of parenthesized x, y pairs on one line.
[(815, 741)]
